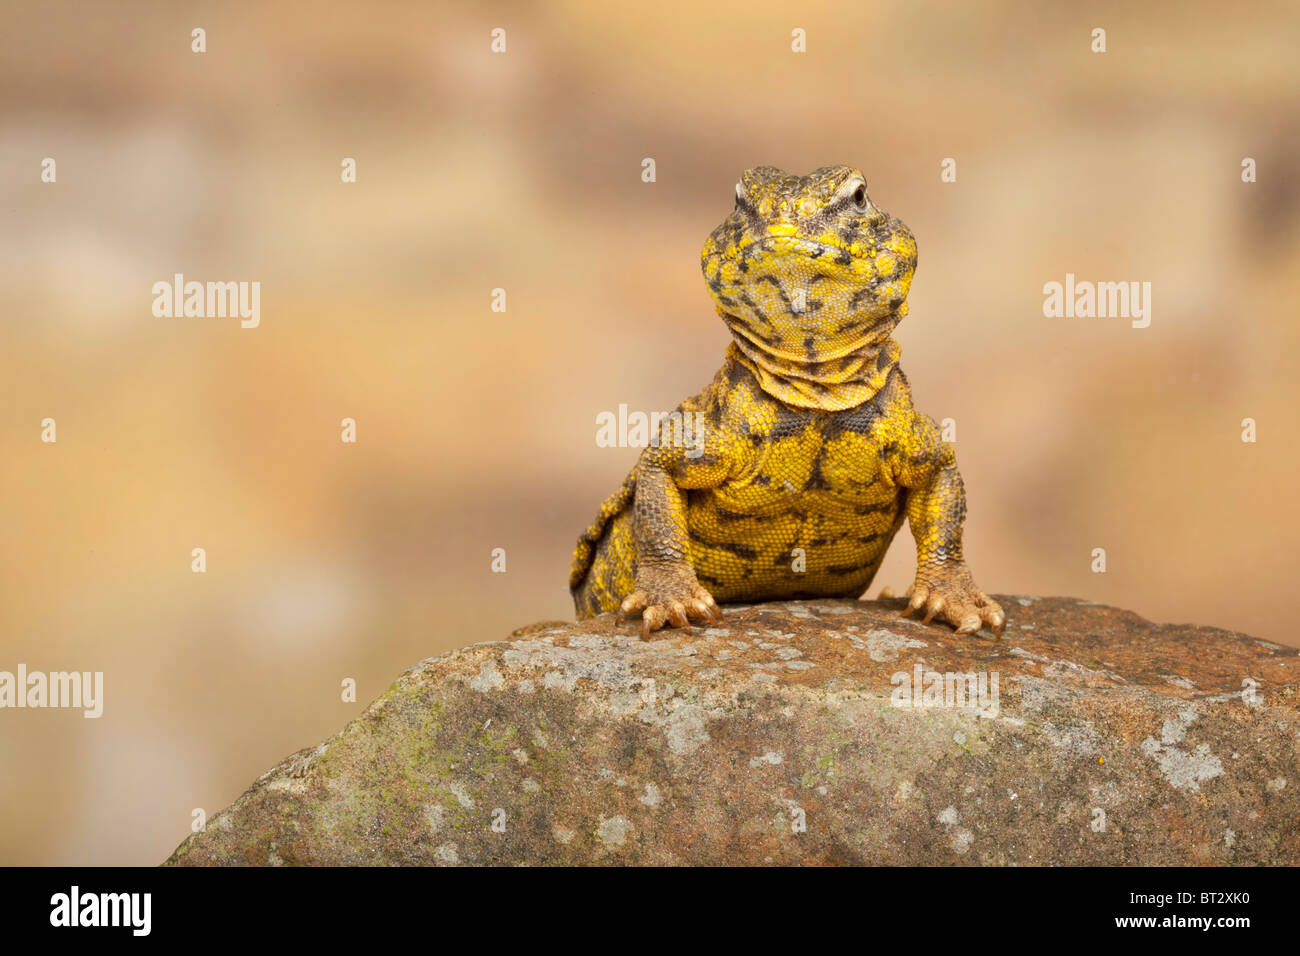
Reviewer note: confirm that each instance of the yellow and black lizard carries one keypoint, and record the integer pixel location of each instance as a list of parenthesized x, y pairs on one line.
[(788, 476)]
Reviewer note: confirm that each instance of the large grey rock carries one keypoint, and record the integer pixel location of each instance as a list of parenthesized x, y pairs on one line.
[(779, 738)]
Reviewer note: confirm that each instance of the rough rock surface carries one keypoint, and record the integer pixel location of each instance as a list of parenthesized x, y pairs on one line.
[(779, 738)]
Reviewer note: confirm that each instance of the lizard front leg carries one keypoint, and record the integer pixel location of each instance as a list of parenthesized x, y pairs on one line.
[(944, 584), (936, 509), (667, 591)]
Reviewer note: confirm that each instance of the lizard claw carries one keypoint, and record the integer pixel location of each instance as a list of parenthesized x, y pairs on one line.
[(932, 607), (948, 591), (634, 603), (668, 595), (916, 596)]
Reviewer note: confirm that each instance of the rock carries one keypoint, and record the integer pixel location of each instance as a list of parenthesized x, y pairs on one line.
[(785, 736)]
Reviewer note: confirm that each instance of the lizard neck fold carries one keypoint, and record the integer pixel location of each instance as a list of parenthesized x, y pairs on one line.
[(829, 375)]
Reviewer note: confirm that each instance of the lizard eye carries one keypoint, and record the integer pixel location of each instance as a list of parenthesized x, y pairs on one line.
[(860, 198)]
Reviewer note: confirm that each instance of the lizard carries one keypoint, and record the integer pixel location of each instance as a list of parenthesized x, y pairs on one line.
[(788, 476)]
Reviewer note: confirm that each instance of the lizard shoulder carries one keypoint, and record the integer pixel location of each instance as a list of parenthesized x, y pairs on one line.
[(910, 441), (697, 443)]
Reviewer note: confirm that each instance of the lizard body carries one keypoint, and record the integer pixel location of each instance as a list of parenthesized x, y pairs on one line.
[(807, 455)]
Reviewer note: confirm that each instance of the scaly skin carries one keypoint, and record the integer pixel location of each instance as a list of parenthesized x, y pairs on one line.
[(811, 454)]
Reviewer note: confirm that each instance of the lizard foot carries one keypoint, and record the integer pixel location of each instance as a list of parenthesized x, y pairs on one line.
[(949, 591), (668, 594)]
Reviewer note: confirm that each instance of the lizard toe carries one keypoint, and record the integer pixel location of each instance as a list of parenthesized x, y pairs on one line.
[(652, 620), (697, 610), (993, 617), (705, 599), (634, 603)]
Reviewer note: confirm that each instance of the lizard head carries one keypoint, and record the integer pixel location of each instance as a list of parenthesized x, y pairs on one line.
[(807, 268)]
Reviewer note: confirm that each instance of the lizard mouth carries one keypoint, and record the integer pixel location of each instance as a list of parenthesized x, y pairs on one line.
[(841, 274), (811, 249), (827, 257)]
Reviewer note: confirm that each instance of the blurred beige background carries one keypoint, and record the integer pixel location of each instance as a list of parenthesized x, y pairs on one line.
[(477, 429)]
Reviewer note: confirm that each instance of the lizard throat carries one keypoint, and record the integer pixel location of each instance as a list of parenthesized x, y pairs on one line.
[(829, 375)]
